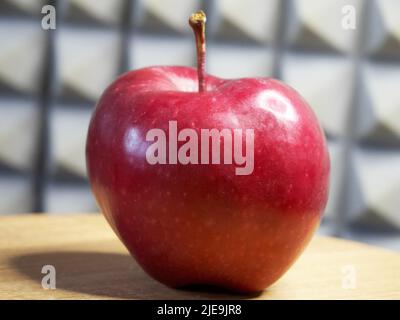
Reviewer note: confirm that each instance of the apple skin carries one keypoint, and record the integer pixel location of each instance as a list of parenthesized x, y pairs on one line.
[(202, 224)]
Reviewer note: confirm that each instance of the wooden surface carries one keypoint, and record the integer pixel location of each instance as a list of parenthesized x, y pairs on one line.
[(91, 263)]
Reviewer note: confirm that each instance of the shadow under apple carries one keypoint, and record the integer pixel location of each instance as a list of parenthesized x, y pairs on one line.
[(111, 275)]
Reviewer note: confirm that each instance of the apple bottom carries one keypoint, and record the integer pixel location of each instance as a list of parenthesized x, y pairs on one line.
[(243, 251)]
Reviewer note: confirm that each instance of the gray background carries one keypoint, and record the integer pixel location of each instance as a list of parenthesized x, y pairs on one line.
[(50, 81)]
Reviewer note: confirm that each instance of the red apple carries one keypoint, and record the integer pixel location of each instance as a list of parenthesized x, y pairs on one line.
[(204, 223)]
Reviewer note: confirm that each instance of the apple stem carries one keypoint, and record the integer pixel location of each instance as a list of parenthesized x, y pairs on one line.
[(198, 23)]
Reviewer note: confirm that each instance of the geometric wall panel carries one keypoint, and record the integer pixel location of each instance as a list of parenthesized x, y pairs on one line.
[(235, 22), (19, 126), (145, 51), (15, 195), (21, 55), (380, 109), (26, 6), (88, 61), (101, 11), (68, 131), (376, 188), (318, 25), (166, 15), (327, 85), (336, 160), (384, 30), (69, 199), (227, 61)]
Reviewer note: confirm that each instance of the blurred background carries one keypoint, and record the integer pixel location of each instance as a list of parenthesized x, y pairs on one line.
[(350, 74)]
